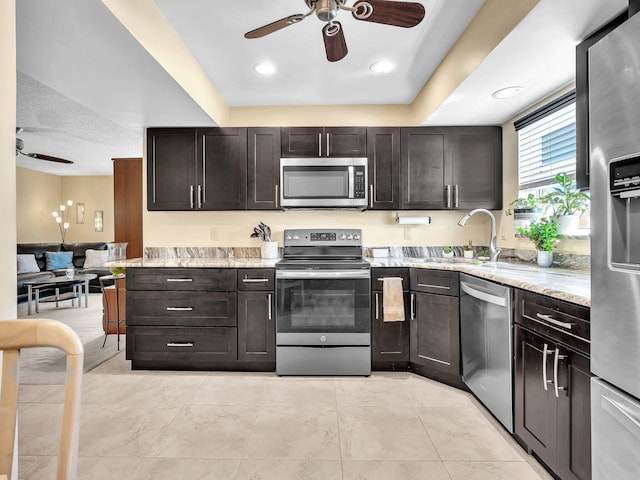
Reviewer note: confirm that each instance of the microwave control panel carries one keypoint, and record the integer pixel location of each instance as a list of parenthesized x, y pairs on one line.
[(360, 182)]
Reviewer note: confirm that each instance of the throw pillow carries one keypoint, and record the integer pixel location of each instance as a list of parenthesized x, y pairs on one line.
[(27, 263), (58, 260), (95, 258)]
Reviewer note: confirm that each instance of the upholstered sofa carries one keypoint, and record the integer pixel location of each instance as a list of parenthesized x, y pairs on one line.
[(78, 249)]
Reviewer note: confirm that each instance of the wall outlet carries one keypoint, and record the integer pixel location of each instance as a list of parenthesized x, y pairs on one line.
[(407, 233)]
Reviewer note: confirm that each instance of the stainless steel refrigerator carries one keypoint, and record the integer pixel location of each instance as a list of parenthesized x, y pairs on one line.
[(614, 109)]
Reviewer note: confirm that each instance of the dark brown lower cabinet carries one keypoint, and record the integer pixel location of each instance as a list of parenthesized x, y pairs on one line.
[(552, 404), (256, 327)]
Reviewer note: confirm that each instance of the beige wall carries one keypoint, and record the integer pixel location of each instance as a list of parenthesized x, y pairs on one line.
[(38, 194)]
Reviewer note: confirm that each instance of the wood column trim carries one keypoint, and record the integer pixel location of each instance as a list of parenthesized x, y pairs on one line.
[(127, 202)]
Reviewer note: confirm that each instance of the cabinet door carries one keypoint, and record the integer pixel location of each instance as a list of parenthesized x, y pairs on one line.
[(263, 168), (222, 154), (535, 407), (383, 151), (424, 171), (171, 168), (435, 332), (476, 167), (256, 327), (344, 142), (389, 340), (301, 142), (574, 416)]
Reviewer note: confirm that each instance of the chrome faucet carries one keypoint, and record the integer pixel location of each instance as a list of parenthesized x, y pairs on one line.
[(494, 250)]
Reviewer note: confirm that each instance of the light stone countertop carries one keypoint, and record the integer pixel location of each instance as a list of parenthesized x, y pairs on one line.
[(564, 284)]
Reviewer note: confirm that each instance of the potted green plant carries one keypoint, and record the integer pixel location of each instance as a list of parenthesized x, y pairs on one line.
[(468, 250), (544, 235), (524, 210), (447, 252), (567, 203)]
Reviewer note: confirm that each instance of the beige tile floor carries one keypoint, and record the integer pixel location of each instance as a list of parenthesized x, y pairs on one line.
[(252, 426)]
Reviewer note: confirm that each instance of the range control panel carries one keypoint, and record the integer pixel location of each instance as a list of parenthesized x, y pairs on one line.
[(323, 237)]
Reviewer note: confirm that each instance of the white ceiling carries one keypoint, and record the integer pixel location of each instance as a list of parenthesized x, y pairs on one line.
[(87, 88)]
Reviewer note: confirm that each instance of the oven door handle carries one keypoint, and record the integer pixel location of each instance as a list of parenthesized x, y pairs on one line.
[(313, 274)]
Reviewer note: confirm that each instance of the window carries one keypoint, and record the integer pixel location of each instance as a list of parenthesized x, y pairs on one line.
[(547, 144)]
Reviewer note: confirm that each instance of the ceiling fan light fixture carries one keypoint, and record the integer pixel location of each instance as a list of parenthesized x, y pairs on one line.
[(507, 92), (382, 66), (265, 68)]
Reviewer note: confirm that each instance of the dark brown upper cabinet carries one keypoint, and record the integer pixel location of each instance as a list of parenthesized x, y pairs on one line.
[(383, 151), (263, 168), (312, 142), (447, 168), (197, 169)]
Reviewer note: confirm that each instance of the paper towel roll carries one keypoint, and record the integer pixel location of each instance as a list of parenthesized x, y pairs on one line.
[(413, 220)]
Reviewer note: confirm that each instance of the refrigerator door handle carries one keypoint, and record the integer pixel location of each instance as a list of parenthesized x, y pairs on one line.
[(622, 415)]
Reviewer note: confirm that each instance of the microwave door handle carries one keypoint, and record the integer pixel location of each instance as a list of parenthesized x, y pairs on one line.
[(351, 182)]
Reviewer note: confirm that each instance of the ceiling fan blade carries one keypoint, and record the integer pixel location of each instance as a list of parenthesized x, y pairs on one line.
[(398, 14), (275, 26), (40, 156), (334, 43)]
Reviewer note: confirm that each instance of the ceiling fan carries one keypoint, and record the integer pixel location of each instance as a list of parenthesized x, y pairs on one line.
[(38, 156), (387, 12)]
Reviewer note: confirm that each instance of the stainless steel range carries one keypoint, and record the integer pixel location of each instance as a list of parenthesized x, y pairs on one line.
[(323, 298)]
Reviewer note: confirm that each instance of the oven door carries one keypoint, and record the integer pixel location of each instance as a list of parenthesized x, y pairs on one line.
[(323, 307)]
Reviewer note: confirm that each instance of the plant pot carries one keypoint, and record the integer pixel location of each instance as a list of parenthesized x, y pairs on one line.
[(447, 255), (568, 224), (269, 250), (468, 254), (545, 259)]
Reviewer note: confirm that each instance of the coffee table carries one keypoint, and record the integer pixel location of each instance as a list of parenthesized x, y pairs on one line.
[(79, 283)]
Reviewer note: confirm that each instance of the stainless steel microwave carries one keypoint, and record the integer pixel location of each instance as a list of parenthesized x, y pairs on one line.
[(323, 182)]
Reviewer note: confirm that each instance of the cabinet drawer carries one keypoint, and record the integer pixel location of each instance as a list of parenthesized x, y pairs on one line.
[(252, 279), (565, 322), (213, 279), (377, 274), (206, 309), (192, 345), (435, 281)]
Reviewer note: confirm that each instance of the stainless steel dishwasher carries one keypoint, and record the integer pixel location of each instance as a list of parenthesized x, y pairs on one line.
[(486, 338)]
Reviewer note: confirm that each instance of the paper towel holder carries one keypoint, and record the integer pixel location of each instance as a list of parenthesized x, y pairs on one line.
[(413, 220)]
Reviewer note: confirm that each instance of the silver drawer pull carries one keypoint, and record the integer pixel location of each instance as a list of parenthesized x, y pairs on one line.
[(380, 279), (179, 279), (255, 280), (553, 321), (185, 344), (179, 309), (434, 286)]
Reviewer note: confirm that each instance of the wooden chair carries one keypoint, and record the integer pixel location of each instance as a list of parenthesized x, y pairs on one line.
[(18, 334)]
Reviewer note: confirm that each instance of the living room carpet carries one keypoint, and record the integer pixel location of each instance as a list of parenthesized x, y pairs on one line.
[(47, 366)]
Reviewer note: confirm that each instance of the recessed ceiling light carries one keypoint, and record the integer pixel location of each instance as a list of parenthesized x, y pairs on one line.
[(383, 66), (265, 68), (507, 92)]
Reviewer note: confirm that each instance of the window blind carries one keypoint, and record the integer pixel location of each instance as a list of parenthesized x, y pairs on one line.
[(547, 146)]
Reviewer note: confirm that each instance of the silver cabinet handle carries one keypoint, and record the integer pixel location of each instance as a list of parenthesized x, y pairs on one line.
[(254, 280), (179, 309), (380, 279), (553, 321), (320, 144), (443, 287), (277, 195), (455, 196), (327, 144), (371, 196), (269, 300), (179, 279), (191, 192), (545, 352), (377, 306), (447, 195), (200, 196), (181, 344), (557, 357), (413, 309)]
